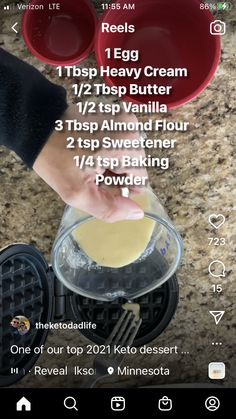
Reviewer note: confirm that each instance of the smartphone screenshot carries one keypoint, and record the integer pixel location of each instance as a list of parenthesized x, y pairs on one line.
[(117, 208)]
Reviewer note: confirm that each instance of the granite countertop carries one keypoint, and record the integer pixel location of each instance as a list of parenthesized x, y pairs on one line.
[(200, 181)]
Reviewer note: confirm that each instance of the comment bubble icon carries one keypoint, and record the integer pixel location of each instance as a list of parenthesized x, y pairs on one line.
[(217, 269)]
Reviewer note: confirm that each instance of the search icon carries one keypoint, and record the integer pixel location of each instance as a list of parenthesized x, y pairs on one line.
[(70, 403)]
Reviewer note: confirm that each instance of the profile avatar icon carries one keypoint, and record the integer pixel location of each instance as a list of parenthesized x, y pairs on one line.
[(21, 324)]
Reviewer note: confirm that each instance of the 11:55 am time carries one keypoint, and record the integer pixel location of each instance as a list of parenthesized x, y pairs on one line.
[(118, 6)]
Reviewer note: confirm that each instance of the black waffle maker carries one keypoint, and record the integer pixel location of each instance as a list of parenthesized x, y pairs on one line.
[(29, 287)]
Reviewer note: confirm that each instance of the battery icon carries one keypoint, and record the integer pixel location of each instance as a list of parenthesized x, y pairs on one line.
[(224, 6)]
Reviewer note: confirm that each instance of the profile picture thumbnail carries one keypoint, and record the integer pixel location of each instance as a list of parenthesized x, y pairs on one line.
[(21, 324)]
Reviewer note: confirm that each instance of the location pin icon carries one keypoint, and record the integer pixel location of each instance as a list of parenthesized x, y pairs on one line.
[(110, 370)]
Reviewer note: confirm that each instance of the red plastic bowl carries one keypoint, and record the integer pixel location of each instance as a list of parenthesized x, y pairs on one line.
[(168, 33), (60, 37)]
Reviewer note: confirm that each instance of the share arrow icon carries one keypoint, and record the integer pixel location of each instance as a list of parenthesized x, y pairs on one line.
[(217, 315)]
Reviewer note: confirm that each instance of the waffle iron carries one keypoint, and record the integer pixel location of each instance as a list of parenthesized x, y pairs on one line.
[(29, 287)]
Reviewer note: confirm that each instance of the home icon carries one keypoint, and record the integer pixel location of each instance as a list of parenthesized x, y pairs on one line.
[(23, 405)]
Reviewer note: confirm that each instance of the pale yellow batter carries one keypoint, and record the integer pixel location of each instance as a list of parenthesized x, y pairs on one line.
[(117, 244)]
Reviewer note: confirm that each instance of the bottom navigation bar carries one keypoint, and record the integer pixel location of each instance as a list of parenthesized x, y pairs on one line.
[(153, 402)]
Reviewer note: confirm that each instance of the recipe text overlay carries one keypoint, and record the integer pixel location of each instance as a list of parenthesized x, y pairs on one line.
[(107, 135)]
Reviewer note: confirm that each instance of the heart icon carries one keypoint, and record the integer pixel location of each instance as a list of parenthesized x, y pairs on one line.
[(216, 220)]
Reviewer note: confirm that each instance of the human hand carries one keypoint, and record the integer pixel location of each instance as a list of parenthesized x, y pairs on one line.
[(77, 186)]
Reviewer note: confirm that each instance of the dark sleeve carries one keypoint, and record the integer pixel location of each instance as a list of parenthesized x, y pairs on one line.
[(29, 106)]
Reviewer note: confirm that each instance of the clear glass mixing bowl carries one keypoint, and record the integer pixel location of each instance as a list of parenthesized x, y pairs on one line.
[(78, 272)]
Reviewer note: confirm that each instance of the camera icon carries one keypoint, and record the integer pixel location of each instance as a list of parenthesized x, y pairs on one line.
[(217, 27)]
